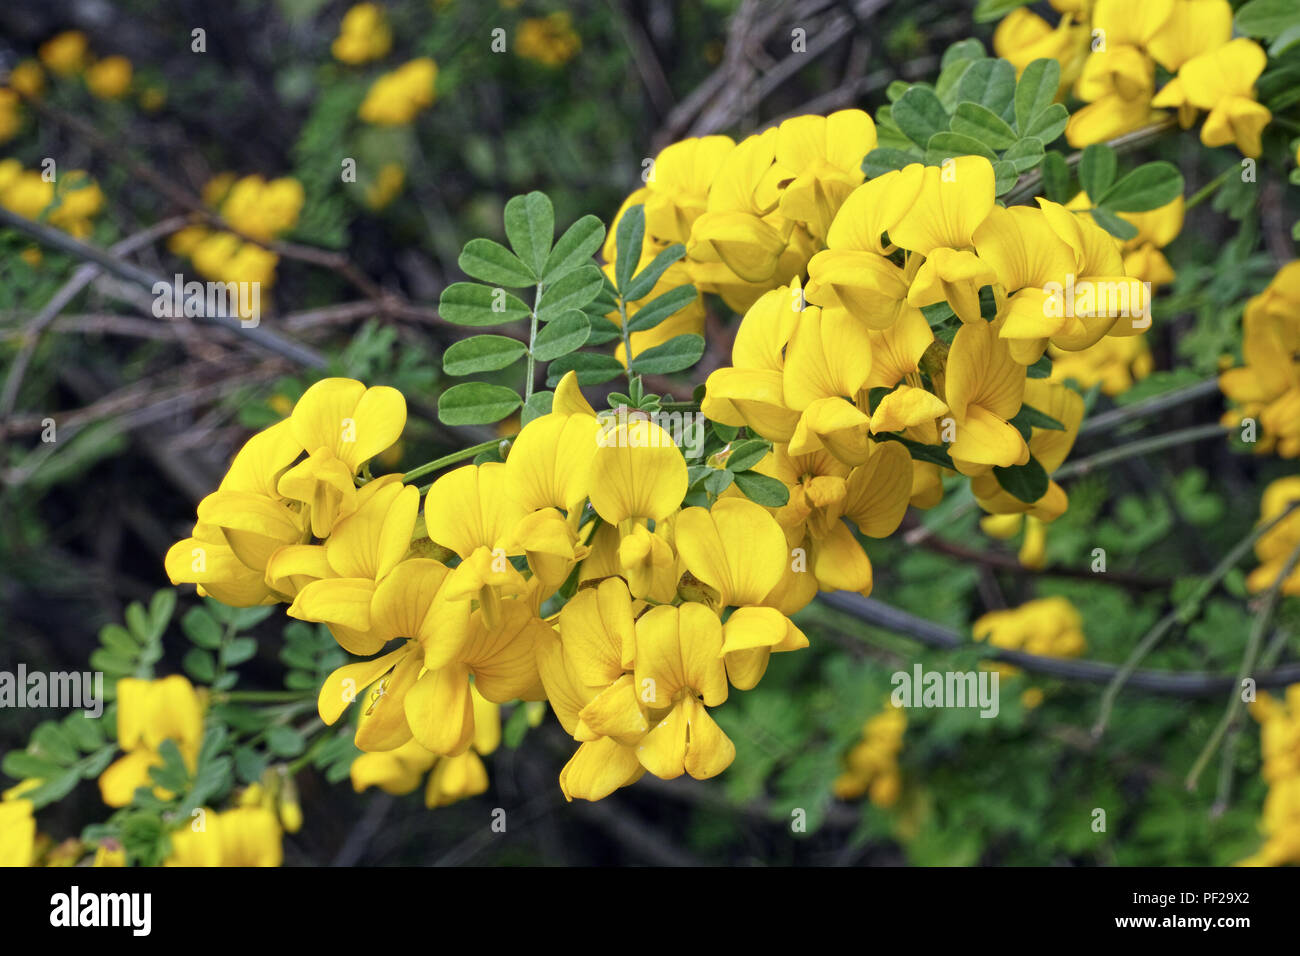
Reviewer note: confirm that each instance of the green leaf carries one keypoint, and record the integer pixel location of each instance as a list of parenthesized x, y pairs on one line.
[(762, 490), (962, 51), (1056, 177), (680, 352), (86, 732), (718, 480), (494, 264), (1097, 170), (575, 248), (137, 622), (1049, 124), (919, 114), (22, 765), (1027, 482), (1031, 417), (643, 282), (661, 307), (476, 403), (1041, 369), (530, 227), (200, 665), (1116, 226), (629, 238), (538, 404), (468, 303), (885, 159), (982, 124), (1036, 91), (572, 291), (201, 628), (284, 741), (944, 146), (119, 640), (238, 651), (592, 369), (748, 454), (482, 353), (54, 741), (1148, 187), (991, 84), (562, 335), (988, 10), (1004, 177), (161, 609), (935, 454), (1025, 154), (945, 87), (1267, 18)]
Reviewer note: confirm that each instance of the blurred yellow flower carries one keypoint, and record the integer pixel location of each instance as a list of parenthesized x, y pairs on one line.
[(550, 40), (64, 54), (110, 78), (397, 97)]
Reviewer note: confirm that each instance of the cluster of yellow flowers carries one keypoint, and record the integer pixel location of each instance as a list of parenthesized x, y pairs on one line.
[(1114, 364), (246, 835), (17, 830), (549, 40), (457, 777), (871, 766), (629, 664), (803, 374), (25, 79), (150, 712), (1275, 546), (1109, 49), (1266, 389), (68, 54), (69, 202), (256, 207), (1279, 738), (1048, 627), (364, 35), (395, 98)]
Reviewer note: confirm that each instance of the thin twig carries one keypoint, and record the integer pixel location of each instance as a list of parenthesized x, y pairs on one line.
[(1164, 683)]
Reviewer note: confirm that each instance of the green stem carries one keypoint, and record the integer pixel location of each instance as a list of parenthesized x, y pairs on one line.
[(1137, 448), (1183, 613), (1206, 191), (266, 696), (1231, 714), (432, 466), (627, 340), (532, 339)]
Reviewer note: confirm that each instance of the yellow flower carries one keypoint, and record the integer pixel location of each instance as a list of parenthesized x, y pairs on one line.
[(1223, 82), (386, 187), (395, 98), (341, 425), (819, 159), (150, 712), (17, 833), (363, 35), (677, 187), (109, 78), (871, 766), (64, 53), (241, 836), (11, 116), (984, 387), (679, 672), (28, 79), (637, 473), (550, 40)]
